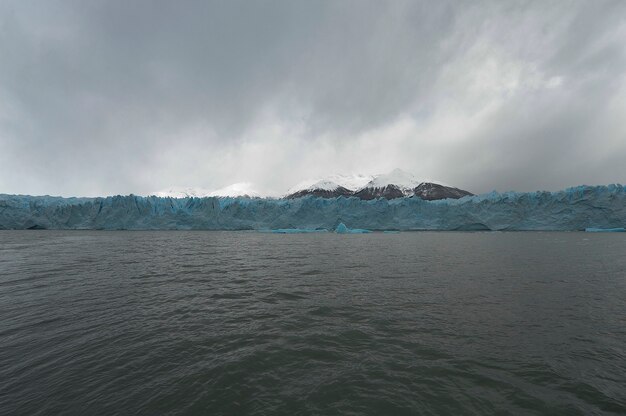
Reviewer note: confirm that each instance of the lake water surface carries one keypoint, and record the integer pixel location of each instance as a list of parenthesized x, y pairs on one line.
[(242, 323)]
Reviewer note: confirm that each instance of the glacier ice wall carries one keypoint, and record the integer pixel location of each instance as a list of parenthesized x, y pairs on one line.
[(572, 209)]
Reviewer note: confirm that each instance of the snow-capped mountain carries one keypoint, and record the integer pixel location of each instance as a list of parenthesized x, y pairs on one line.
[(323, 189), (237, 189), (397, 177), (396, 184), (330, 187)]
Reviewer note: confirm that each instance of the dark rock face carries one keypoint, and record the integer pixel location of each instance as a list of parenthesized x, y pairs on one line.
[(322, 193), (434, 191), (387, 192), (427, 191)]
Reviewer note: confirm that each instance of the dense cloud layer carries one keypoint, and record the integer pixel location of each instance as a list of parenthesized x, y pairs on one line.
[(104, 97)]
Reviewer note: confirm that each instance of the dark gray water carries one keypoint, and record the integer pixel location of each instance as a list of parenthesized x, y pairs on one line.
[(242, 323)]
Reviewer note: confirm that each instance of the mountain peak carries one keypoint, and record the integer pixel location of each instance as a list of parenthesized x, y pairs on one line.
[(397, 177), (350, 182), (395, 184)]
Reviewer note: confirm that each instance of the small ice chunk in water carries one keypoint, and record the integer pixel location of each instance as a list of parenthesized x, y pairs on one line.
[(342, 229)]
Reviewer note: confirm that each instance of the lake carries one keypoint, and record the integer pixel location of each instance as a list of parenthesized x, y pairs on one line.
[(245, 323)]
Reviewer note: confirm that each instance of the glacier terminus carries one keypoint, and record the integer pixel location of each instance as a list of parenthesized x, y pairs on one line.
[(573, 209)]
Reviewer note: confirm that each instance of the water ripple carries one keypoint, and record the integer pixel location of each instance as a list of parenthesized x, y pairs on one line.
[(225, 323)]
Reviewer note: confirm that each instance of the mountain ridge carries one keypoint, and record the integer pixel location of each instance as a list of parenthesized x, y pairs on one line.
[(396, 184)]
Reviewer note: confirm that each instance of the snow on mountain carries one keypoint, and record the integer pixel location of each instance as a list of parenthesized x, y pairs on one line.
[(351, 182), (330, 187), (179, 192), (310, 185), (323, 189), (397, 177), (236, 189), (396, 184)]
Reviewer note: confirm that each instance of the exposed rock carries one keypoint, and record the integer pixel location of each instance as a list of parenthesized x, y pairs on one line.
[(387, 192), (321, 193), (433, 191)]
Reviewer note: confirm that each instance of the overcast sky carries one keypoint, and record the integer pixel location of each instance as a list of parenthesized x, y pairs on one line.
[(106, 97)]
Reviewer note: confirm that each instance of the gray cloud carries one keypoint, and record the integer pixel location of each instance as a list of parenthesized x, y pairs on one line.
[(102, 97)]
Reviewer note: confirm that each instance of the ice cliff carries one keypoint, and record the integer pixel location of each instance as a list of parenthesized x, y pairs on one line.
[(572, 209)]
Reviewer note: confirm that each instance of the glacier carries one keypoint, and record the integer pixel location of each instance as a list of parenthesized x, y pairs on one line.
[(578, 208)]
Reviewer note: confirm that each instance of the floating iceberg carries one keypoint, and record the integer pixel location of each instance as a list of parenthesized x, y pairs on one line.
[(602, 207), (342, 229)]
